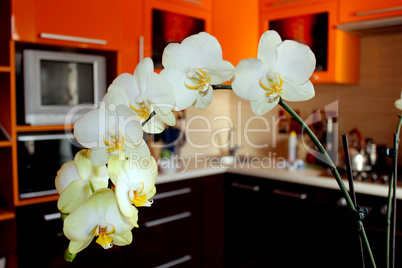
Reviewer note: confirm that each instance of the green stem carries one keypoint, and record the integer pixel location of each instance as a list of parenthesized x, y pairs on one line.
[(335, 173), (391, 194), (222, 86)]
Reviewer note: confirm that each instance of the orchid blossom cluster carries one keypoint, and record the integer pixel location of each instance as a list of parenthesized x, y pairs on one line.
[(101, 189)]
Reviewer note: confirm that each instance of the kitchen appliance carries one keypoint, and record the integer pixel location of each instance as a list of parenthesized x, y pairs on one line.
[(58, 83), (40, 156)]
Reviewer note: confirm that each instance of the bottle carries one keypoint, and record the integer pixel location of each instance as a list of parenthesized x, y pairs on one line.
[(292, 147)]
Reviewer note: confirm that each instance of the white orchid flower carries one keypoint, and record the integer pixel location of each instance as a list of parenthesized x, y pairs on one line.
[(99, 216), (147, 92), (77, 179), (282, 69), (192, 67), (135, 183), (112, 129), (398, 103)]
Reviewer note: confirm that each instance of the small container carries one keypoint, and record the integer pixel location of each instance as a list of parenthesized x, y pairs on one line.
[(292, 147)]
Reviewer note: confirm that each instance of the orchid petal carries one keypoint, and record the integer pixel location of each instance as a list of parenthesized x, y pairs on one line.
[(114, 167), (77, 246), (172, 56), (137, 152), (126, 83), (207, 48), (86, 170), (89, 129), (224, 72), (203, 101), (123, 239), (143, 170), (266, 48), (65, 176), (292, 92), (261, 106), (122, 196), (142, 75), (74, 195), (99, 157), (183, 96), (398, 104), (295, 62), (246, 83)]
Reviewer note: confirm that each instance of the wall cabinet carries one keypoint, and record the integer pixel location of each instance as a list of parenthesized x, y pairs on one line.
[(98, 23), (314, 23), (108, 25), (359, 10)]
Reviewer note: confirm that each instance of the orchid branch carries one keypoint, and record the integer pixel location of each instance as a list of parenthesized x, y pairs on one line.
[(335, 173), (392, 202)]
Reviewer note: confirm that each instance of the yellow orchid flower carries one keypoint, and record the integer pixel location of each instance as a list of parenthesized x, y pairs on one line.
[(98, 217), (135, 184)]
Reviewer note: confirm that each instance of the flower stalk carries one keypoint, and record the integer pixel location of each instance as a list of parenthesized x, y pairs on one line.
[(391, 217), (335, 173)]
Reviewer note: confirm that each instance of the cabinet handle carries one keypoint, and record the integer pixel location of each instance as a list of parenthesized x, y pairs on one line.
[(175, 262), (301, 196), (141, 48), (73, 38), (168, 219), (377, 11), (172, 193), (193, 2), (254, 188), (52, 216), (45, 137)]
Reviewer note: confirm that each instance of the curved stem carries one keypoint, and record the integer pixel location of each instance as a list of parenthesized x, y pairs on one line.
[(392, 203), (334, 171)]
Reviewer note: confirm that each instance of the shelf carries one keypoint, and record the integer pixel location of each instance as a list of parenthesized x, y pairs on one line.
[(5, 69), (37, 200), (6, 215), (5, 143), (29, 128)]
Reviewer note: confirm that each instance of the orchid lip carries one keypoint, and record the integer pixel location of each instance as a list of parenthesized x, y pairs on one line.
[(274, 87), (198, 80)]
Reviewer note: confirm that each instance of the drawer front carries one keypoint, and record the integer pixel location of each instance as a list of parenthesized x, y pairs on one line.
[(187, 256), (172, 221), (40, 242)]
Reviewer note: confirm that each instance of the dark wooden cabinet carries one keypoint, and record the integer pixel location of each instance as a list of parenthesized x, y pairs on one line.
[(171, 231), (270, 223)]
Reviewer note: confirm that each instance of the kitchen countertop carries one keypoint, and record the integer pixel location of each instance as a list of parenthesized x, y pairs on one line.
[(190, 168)]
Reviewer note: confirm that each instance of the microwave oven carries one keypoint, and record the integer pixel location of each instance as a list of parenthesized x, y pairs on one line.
[(40, 156)]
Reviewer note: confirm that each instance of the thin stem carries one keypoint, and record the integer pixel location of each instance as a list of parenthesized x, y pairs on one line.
[(332, 167), (149, 118), (390, 235), (222, 86)]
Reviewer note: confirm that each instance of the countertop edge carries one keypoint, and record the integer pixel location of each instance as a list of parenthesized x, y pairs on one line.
[(310, 177)]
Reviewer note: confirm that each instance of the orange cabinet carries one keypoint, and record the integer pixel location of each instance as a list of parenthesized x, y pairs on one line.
[(84, 23), (269, 4), (199, 4), (314, 23), (360, 10), (112, 25)]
